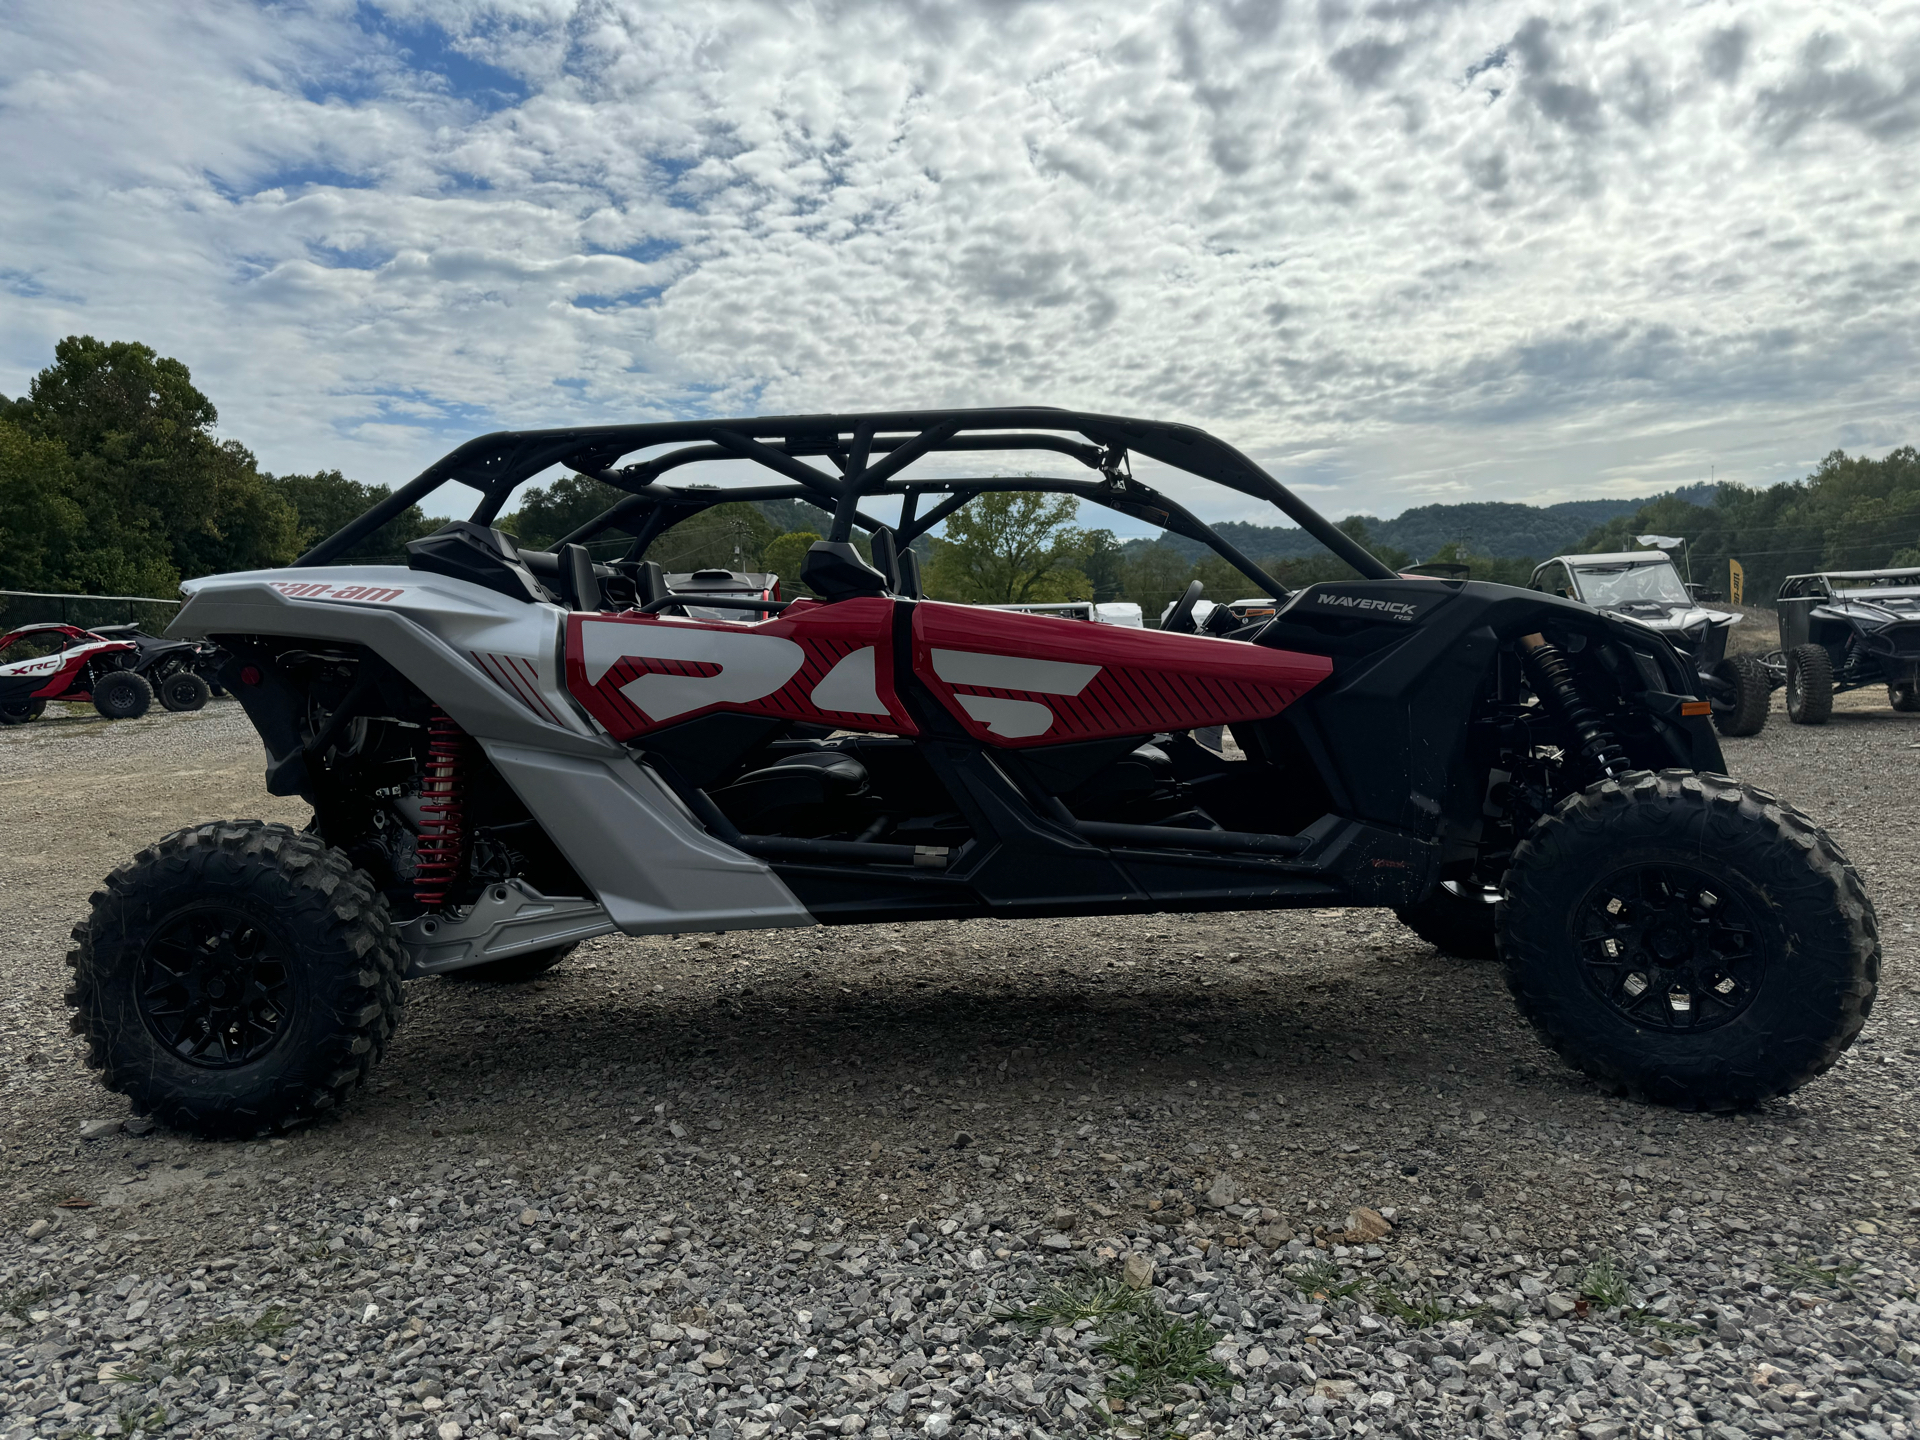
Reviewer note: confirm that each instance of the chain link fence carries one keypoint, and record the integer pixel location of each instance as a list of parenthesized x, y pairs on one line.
[(32, 607)]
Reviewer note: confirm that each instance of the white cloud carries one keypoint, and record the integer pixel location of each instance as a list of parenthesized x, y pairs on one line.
[(1408, 252)]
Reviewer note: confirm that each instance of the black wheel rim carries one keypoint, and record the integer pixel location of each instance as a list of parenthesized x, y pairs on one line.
[(1670, 948), (216, 987)]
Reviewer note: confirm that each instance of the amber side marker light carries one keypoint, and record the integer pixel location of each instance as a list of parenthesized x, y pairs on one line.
[(1695, 707)]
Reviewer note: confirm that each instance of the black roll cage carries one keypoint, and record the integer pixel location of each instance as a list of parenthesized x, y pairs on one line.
[(868, 451)]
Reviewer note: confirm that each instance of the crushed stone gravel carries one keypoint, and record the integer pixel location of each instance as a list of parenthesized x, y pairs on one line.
[(797, 1183)]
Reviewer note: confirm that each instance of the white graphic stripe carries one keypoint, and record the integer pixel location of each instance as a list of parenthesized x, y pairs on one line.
[(1012, 672), (849, 687), (752, 666), (1015, 719)]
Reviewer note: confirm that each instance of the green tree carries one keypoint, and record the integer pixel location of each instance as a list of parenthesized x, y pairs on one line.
[(1504, 570), (1355, 528), (733, 536), (1011, 546), (549, 512), (1104, 564), (1153, 575), (48, 539), (784, 555), (326, 500), (1852, 513), (147, 465), (41, 523)]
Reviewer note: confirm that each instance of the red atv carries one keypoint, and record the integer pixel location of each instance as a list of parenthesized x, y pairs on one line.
[(52, 661)]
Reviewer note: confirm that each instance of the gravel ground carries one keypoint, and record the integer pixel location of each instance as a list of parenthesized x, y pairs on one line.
[(895, 1180)]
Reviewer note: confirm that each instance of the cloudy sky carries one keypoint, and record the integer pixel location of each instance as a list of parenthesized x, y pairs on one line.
[(1398, 251)]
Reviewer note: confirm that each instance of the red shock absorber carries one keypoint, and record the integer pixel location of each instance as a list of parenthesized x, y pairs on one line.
[(443, 795)]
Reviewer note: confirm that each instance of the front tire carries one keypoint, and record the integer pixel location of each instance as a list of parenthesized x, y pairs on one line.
[(1746, 681), (1810, 685), (184, 691), (1689, 940), (1901, 696), (122, 695), (516, 970), (22, 712), (235, 977), (1456, 918)]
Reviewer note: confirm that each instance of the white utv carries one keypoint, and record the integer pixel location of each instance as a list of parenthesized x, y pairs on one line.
[(1643, 586)]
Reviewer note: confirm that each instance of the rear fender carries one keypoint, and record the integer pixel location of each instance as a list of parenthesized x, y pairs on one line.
[(491, 663)]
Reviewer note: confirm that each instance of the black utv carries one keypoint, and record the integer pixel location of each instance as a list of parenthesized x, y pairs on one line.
[(181, 673), (1845, 629)]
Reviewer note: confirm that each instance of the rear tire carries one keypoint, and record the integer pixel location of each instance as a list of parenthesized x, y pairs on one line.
[(1747, 712), (515, 970), (1810, 685), (122, 695), (20, 714), (1901, 696), (235, 977), (1455, 918), (1689, 940), (184, 691)]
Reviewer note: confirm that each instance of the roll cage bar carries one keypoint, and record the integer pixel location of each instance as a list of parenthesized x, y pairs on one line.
[(868, 452)]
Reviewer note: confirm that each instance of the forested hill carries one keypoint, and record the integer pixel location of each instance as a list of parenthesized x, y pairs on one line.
[(1487, 528)]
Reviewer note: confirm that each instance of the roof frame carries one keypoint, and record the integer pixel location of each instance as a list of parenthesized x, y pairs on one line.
[(498, 463)]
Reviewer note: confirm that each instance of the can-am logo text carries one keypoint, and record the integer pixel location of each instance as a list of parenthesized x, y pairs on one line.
[(1399, 609)]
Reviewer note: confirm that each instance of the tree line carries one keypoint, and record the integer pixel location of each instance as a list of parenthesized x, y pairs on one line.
[(1852, 513), (113, 482)]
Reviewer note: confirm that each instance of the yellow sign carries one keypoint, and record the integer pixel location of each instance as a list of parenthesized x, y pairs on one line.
[(1735, 577)]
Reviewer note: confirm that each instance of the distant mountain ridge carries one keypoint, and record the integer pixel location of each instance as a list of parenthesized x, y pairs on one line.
[(1498, 529), (1501, 530)]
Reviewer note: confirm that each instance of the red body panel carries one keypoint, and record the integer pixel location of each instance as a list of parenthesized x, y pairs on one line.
[(1026, 680), (832, 665), (1010, 679)]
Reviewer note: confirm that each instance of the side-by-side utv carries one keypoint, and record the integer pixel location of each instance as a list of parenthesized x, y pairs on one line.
[(1643, 586), (1842, 630), (508, 750)]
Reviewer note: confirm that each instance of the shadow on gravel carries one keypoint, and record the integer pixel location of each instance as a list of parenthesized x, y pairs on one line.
[(915, 1071)]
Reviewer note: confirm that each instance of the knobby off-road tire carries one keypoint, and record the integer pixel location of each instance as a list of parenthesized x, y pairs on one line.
[(1810, 685), (122, 695), (1458, 921), (184, 691), (1902, 696), (235, 977), (1697, 882), (1747, 712), (512, 970), (32, 710)]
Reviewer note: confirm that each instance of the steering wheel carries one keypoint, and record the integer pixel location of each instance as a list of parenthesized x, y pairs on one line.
[(1181, 619)]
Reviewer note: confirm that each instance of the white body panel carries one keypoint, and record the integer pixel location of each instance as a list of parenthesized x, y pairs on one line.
[(494, 665), (514, 644), (46, 666)]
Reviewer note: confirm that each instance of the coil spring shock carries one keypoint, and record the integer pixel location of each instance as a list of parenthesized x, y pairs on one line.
[(443, 795), (1554, 681)]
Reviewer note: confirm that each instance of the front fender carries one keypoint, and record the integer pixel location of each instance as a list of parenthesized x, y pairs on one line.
[(1675, 728)]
